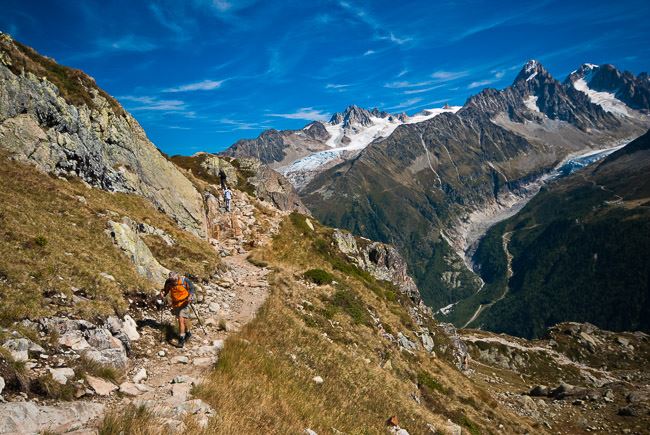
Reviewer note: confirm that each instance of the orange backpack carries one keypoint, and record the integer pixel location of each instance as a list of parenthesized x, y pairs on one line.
[(179, 293)]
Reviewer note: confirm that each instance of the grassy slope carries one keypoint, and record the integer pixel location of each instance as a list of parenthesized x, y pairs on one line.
[(263, 380), (52, 242), (579, 253)]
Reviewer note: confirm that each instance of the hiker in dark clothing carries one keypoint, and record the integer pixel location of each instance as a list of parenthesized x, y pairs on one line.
[(222, 177)]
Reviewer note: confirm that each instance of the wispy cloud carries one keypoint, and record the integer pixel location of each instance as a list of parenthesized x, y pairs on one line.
[(420, 91), (479, 83), (337, 86), (204, 85), (307, 113), (130, 43), (379, 29), (406, 84), (402, 73), (155, 104), (235, 124), (405, 104), (369, 52), (447, 76)]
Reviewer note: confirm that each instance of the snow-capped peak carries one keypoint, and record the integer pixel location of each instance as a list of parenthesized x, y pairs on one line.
[(531, 66)]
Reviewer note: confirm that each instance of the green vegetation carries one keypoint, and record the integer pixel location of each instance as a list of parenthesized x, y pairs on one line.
[(580, 253), (319, 276)]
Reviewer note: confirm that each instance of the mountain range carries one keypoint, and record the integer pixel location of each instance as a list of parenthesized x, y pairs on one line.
[(432, 183)]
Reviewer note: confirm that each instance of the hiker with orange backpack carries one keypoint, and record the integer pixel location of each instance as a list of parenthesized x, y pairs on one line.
[(181, 294)]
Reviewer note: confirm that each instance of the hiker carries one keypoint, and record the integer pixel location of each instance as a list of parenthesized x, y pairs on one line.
[(181, 293), (227, 196), (222, 177)]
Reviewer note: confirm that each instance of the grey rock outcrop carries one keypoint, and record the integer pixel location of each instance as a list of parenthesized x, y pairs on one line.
[(97, 142), (126, 237), (381, 260), (271, 186), (27, 417)]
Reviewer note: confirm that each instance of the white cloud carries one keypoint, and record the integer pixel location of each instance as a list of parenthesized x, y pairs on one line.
[(420, 91), (402, 73), (154, 104), (405, 104), (479, 83), (204, 85), (240, 125), (369, 52), (447, 76), (405, 84), (336, 86), (131, 43), (307, 113)]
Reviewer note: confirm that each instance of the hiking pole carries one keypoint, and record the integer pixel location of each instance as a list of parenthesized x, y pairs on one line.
[(198, 318), (159, 302)]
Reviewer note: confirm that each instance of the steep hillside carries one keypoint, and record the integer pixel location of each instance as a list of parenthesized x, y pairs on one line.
[(425, 186), (578, 251), (57, 118)]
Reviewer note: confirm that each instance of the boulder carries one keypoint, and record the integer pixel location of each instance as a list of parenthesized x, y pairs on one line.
[(130, 328), (129, 389), (318, 380), (112, 357), (140, 375), (101, 386), (27, 417), (125, 236), (74, 340), (451, 428), (180, 392), (180, 359), (101, 339), (405, 343), (427, 342), (61, 375), (2, 384), (20, 348)]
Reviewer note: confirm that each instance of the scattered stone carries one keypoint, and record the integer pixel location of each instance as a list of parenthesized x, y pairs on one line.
[(387, 365), (213, 307), (100, 386), (19, 348), (111, 357), (161, 353), (180, 359), (107, 276), (2, 384), (629, 411), (130, 389), (452, 428), (405, 343), (130, 328), (310, 432), (140, 375), (309, 224), (203, 362), (182, 379), (318, 380), (74, 340), (61, 375), (180, 392)]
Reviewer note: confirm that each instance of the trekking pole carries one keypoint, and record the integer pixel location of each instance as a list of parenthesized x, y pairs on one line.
[(160, 324), (198, 318)]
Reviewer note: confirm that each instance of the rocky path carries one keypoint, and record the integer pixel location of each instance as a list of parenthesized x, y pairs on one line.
[(171, 372)]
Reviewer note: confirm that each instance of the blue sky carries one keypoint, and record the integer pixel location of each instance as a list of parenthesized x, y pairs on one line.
[(200, 74)]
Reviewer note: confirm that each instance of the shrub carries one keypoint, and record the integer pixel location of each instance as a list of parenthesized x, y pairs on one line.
[(319, 276), (346, 300)]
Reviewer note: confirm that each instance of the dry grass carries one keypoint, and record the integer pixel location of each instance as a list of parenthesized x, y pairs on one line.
[(132, 420), (55, 243), (263, 380)]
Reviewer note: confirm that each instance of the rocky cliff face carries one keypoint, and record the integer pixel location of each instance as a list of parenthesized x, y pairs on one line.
[(79, 130)]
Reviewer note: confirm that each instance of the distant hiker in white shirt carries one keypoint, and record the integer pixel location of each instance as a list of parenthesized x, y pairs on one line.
[(227, 196)]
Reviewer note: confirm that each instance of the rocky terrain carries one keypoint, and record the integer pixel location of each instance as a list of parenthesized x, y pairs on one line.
[(303, 328)]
